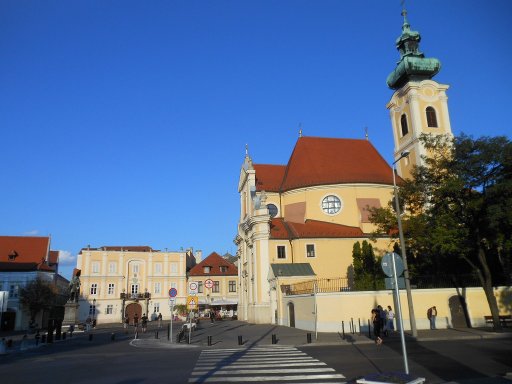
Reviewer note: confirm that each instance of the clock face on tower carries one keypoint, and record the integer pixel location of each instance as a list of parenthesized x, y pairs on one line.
[(331, 204)]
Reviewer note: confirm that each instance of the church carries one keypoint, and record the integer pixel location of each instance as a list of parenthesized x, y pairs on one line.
[(299, 221)]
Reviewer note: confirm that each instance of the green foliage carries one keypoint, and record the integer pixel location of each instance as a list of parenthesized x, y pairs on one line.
[(367, 273), (181, 309), (38, 295)]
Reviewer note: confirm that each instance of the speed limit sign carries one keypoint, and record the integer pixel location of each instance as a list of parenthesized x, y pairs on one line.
[(208, 283)]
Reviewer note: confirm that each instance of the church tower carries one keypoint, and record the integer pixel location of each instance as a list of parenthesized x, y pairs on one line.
[(419, 104)]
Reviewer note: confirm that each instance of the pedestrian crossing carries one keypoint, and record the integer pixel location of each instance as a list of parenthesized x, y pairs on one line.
[(273, 364)]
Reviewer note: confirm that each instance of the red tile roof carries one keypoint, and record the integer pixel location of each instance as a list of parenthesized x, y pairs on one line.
[(125, 248), (25, 253), (214, 261), (281, 229), (322, 161), (269, 177)]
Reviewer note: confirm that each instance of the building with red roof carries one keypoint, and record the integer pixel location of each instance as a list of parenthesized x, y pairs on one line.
[(24, 259), (309, 211)]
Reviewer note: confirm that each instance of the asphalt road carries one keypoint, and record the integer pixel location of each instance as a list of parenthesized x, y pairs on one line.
[(125, 361)]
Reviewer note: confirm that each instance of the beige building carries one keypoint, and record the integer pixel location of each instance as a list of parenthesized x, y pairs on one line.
[(217, 283), (131, 280)]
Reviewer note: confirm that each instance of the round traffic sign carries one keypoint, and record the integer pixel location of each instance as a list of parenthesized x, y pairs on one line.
[(173, 292), (387, 264), (208, 283)]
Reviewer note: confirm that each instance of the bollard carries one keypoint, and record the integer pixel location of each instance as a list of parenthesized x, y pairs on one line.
[(352, 325), (136, 334), (308, 337), (343, 329), (112, 336), (359, 322), (38, 336), (169, 331), (369, 330), (209, 341), (43, 338), (240, 340), (90, 336), (274, 338), (156, 334), (64, 335)]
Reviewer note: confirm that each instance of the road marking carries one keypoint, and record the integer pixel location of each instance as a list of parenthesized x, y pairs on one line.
[(267, 364)]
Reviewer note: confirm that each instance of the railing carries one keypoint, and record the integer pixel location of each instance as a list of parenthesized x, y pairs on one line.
[(343, 284)]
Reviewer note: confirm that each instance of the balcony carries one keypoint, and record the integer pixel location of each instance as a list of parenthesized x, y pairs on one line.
[(135, 296)]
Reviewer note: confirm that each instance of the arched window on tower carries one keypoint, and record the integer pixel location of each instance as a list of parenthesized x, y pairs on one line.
[(405, 127), (431, 117)]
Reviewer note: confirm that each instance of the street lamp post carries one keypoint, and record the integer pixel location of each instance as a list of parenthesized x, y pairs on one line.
[(402, 249)]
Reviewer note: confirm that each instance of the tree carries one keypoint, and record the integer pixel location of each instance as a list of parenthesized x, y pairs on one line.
[(458, 206), (38, 295), (366, 271)]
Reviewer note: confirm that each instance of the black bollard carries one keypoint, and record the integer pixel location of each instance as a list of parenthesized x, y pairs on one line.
[(169, 331), (240, 340), (156, 334), (63, 335), (352, 325), (38, 336), (308, 337), (209, 341), (90, 336), (274, 339), (343, 329), (112, 336), (43, 338), (369, 330), (359, 321)]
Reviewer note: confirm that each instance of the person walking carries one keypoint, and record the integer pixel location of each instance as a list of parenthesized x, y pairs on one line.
[(376, 325), (390, 318), (126, 321), (144, 320), (212, 316), (136, 321), (431, 315), (159, 318)]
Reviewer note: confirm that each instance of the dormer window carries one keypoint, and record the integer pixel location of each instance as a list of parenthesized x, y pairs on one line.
[(431, 117), (12, 255), (206, 269), (223, 268)]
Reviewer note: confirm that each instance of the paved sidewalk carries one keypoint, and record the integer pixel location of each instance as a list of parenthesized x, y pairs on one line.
[(228, 334)]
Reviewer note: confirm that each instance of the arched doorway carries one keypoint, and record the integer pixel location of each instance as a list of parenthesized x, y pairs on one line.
[(132, 309), (291, 315)]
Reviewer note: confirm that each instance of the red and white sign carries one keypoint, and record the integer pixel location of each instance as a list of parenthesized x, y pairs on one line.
[(192, 288), (208, 283)]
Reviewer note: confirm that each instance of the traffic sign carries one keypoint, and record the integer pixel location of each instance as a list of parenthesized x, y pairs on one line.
[(390, 283), (208, 283), (192, 288), (192, 303), (173, 292), (387, 264), (172, 300)]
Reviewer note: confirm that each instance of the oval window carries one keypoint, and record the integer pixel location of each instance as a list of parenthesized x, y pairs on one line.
[(272, 210)]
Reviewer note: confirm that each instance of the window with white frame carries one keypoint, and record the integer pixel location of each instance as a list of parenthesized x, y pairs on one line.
[(281, 252), (223, 269), (206, 269), (174, 268), (112, 267), (111, 287), (232, 286), (158, 268), (156, 307), (310, 250), (94, 289), (158, 287), (135, 289), (135, 268), (110, 309), (95, 267)]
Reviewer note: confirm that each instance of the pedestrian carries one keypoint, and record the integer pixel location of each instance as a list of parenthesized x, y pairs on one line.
[(144, 320), (383, 323), (136, 320), (431, 315), (212, 316), (376, 325), (88, 323), (126, 321), (159, 318), (390, 318)]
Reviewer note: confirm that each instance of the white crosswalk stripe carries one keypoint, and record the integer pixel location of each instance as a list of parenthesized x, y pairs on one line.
[(267, 364)]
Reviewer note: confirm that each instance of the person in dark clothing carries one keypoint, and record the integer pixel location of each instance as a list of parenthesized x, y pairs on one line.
[(376, 325)]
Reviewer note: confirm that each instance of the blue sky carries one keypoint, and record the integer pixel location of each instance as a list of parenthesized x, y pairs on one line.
[(125, 122)]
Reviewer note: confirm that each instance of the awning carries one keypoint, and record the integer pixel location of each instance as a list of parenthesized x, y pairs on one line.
[(218, 302)]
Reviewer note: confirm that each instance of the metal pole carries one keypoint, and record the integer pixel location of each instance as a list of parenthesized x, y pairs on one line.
[(316, 311), (402, 337), (412, 319)]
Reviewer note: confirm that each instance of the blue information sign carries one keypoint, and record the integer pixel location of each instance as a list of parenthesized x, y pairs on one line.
[(173, 292)]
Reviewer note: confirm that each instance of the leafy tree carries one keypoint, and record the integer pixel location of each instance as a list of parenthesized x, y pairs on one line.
[(458, 206), (38, 295), (366, 271)]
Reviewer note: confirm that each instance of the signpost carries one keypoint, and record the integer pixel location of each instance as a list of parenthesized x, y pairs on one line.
[(392, 265), (173, 292), (192, 288), (208, 283)]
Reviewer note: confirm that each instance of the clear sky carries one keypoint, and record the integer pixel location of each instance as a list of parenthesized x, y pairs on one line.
[(125, 122)]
